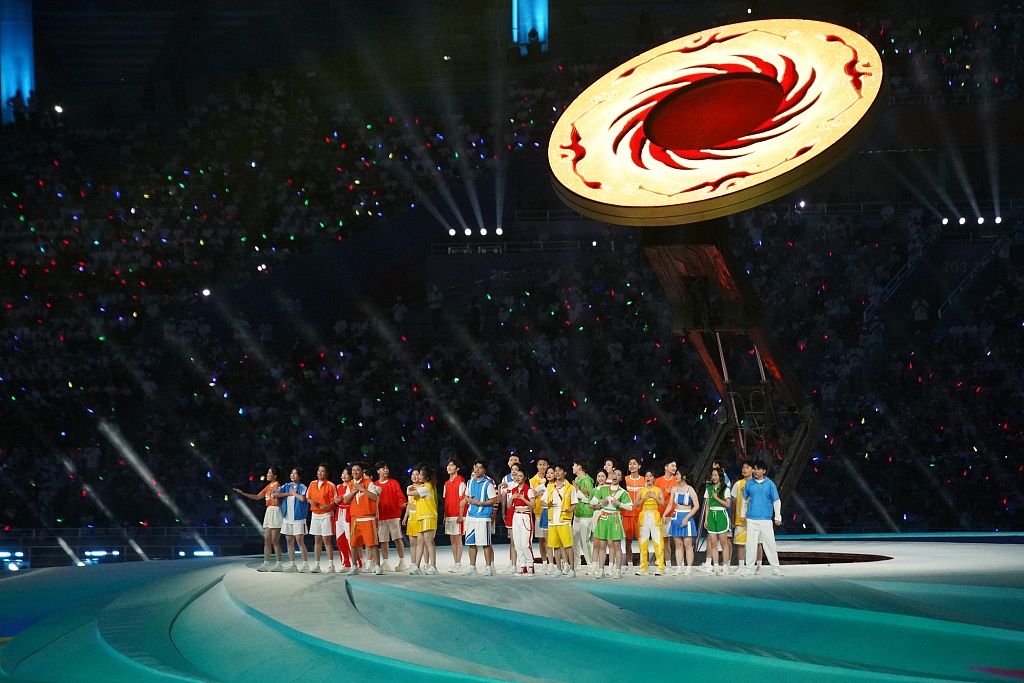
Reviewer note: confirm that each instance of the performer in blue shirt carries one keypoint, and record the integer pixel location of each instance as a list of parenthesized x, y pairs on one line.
[(295, 510), (763, 507), (481, 496)]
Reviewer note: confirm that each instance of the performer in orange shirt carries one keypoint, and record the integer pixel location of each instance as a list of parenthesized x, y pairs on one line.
[(320, 494), (632, 482), (361, 495), (272, 520), (667, 483)]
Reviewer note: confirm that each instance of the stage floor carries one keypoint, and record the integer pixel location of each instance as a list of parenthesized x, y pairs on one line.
[(949, 611)]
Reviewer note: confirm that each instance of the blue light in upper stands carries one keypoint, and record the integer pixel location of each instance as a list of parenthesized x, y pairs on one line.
[(17, 64)]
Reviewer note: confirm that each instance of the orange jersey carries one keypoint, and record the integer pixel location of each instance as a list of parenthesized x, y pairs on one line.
[(666, 484), (361, 505), (322, 493), (269, 499), (632, 485)]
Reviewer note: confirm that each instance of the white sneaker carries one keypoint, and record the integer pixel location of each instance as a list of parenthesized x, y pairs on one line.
[(413, 571), (265, 567), (402, 566), (640, 572), (315, 569), (688, 571), (554, 571), (748, 572), (385, 567), (304, 569), (678, 571), (571, 574), (332, 570), (455, 569), (376, 570), (757, 568), (720, 570), (431, 571), (353, 571), (489, 570), (292, 568), (469, 571), (617, 574), (658, 572), (709, 568), (278, 567), (731, 570), (598, 574), (776, 571)]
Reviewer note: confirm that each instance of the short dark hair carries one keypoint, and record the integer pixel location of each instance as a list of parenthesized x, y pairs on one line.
[(454, 461), (481, 462), (581, 461), (544, 458), (759, 464), (381, 465), (326, 466), (299, 470)]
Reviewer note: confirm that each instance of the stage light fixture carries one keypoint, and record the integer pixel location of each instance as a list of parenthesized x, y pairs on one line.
[(945, 221), (999, 219), (499, 231), (467, 232), (451, 232), (206, 292), (962, 220), (483, 231), (981, 220)]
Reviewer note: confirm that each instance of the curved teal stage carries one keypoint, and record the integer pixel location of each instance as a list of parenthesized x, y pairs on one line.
[(936, 611)]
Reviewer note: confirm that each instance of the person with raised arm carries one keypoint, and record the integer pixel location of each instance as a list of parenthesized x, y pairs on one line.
[(272, 520)]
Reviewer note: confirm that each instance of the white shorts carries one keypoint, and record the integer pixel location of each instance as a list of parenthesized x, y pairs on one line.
[(389, 530), (478, 531), (321, 524), (452, 526), (294, 528), (273, 518)]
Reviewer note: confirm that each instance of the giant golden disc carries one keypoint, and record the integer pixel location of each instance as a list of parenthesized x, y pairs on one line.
[(716, 122)]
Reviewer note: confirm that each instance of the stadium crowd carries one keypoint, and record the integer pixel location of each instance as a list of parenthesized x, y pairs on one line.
[(108, 232)]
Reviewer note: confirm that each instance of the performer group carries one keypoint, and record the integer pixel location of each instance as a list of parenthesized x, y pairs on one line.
[(561, 526)]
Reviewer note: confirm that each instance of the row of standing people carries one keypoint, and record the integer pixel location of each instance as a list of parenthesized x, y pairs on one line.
[(596, 520), (591, 519)]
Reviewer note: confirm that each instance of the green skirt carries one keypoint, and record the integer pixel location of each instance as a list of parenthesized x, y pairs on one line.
[(609, 527)]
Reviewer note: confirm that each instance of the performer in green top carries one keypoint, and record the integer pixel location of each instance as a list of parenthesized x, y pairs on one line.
[(716, 519), (583, 522), (610, 499)]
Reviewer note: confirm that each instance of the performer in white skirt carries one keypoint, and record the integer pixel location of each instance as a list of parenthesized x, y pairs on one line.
[(295, 510), (272, 520)]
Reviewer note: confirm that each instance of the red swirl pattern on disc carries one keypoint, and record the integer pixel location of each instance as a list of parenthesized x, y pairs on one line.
[(716, 122)]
